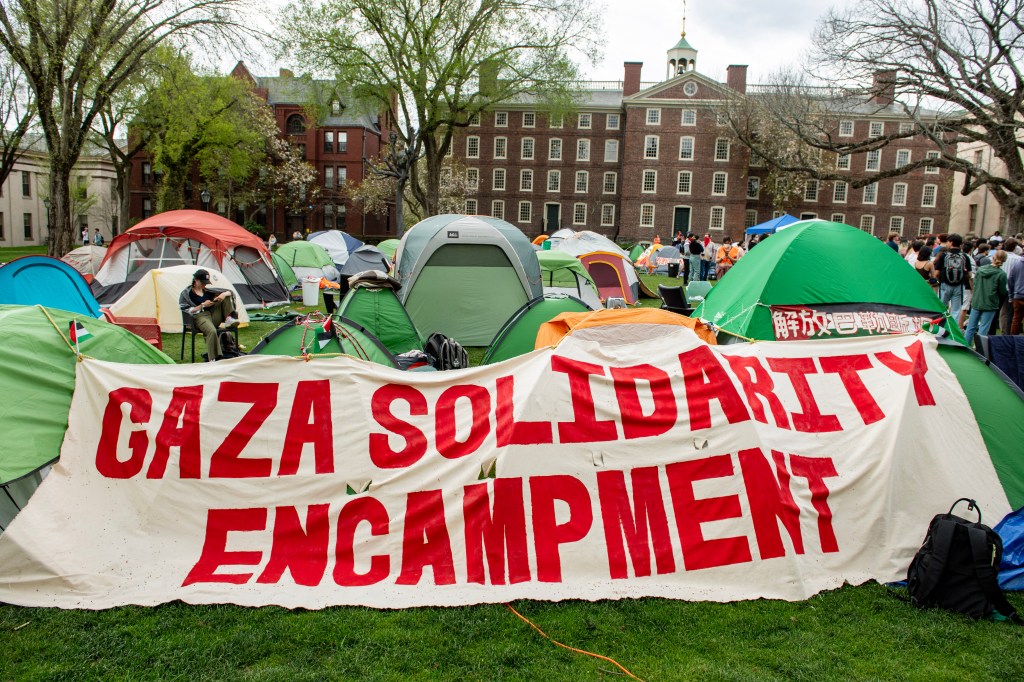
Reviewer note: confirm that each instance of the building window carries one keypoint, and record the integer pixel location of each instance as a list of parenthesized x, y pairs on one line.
[(554, 180), (717, 221), (584, 121), (649, 185), (501, 119), (899, 194), (555, 150), (611, 150), (335, 108), (501, 147), (972, 217), (83, 186), (473, 179), (555, 121), (472, 147), (722, 149), (342, 147), (26, 184), (902, 157), (753, 188), (28, 225), (689, 117), (719, 183), (843, 162), (651, 146), (756, 160), (526, 181), (612, 122), (147, 208), (474, 119), (931, 170), (295, 125), (749, 218), (526, 149), (846, 129), (607, 215), (329, 176), (147, 173), (329, 141), (498, 209), (686, 149), (646, 215), (583, 150), (896, 224), (867, 223), (928, 194), (611, 181), (874, 160), (925, 226), (684, 182), (525, 211), (342, 177), (529, 119), (654, 117), (579, 214), (839, 192), (471, 206), (808, 216), (301, 148), (582, 181), (498, 180), (876, 130), (721, 120), (838, 217), (871, 193), (906, 127)]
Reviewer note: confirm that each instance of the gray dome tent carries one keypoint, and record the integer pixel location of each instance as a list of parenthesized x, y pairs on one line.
[(464, 276)]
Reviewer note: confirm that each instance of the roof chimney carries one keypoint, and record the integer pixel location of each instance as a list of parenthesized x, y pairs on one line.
[(286, 73), (736, 77), (489, 76), (883, 90), (631, 78)]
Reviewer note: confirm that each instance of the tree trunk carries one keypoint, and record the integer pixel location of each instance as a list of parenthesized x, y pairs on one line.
[(171, 195), (61, 236), (124, 173), (399, 206), (431, 154)]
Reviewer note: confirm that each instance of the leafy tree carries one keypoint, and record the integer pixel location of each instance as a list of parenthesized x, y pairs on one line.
[(16, 116), (430, 65), (76, 55), (377, 192)]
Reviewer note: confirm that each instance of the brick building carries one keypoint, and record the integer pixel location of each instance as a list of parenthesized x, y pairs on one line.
[(336, 146), (642, 158)]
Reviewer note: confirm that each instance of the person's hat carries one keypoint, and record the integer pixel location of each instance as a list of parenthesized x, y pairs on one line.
[(201, 275)]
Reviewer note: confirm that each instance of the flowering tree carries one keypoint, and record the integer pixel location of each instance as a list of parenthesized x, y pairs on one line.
[(376, 193)]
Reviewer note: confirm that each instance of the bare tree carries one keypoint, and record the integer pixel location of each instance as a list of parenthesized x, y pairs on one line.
[(954, 67), (76, 55), (16, 114)]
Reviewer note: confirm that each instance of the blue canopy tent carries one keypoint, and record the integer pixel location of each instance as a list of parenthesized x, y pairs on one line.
[(49, 282), (771, 225)]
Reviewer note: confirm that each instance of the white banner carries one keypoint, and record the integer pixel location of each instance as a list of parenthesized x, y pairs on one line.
[(662, 467)]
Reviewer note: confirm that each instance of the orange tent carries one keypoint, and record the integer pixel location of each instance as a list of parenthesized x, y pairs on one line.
[(551, 333)]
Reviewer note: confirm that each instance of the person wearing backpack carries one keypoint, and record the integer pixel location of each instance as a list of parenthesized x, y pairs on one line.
[(989, 295), (954, 269)]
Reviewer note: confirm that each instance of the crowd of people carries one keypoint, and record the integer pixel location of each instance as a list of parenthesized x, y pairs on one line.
[(701, 258)]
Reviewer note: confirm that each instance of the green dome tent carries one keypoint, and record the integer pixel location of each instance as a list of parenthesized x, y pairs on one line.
[(305, 334), (463, 276), (821, 265), (518, 336), (306, 259), (388, 247), (562, 272), (380, 311), (284, 270), (37, 378)]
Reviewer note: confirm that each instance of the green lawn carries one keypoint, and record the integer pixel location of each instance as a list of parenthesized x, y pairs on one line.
[(860, 633), (9, 253)]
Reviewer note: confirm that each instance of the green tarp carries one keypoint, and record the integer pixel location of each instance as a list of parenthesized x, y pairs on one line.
[(382, 314), (815, 262), (301, 338), (37, 378), (519, 334)]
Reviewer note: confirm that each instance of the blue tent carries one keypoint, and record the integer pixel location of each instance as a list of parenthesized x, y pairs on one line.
[(49, 282), (772, 225)]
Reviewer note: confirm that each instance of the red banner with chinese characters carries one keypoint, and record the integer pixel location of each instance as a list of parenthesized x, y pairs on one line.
[(800, 322)]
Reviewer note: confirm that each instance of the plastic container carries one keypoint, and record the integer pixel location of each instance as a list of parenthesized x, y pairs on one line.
[(311, 291), (673, 269)]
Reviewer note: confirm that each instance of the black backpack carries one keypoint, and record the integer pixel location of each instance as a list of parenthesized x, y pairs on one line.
[(955, 267), (956, 567), (445, 352)]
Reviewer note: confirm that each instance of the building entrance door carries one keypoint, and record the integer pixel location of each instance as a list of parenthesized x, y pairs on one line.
[(553, 217), (681, 220)]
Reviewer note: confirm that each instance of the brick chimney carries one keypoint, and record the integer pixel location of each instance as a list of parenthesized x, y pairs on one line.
[(631, 78), (736, 77), (489, 77), (883, 89)]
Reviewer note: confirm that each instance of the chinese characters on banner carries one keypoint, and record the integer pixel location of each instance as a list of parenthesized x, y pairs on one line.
[(799, 323)]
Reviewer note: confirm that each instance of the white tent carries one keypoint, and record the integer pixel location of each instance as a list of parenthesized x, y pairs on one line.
[(585, 241), (86, 259), (156, 295), (337, 243)]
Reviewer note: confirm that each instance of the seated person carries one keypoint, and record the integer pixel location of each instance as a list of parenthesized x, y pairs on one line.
[(209, 309)]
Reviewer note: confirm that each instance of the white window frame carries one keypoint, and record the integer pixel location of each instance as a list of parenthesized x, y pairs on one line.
[(934, 189), (870, 195), (584, 187), (749, 218), (523, 143), (647, 214), (469, 144), (838, 217), (611, 151), (846, 128), (687, 187), (555, 175), (906, 127), (843, 161), (925, 226), (495, 175), (902, 158), (583, 150), (933, 154), (753, 182), (501, 148), (718, 148), (473, 179), (501, 119), (653, 176), (896, 224), (529, 119), (647, 146), (724, 176), (610, 119), (840, 192), (899, 193), (471, 207), (526, 180), (716, 219), (498, 206), (556, 121), (867, 224), (873, 160), (552, 144), (576, 219), (693, 147), (876, 129), (607, 217), (584, 121), (529, 212), (683, 116), (653, 116), (474, 120), (614, 176)]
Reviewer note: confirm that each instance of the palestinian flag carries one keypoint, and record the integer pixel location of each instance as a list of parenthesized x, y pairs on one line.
[(325, 333), (78, 333)]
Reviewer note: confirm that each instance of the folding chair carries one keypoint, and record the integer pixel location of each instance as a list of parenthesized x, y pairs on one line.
[(188, 328), (673, 299)]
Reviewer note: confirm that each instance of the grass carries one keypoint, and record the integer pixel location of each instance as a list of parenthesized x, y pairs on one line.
[(9, 253), (858, 633)]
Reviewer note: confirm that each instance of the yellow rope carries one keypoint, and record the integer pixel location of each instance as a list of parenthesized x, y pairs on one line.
[(566, 646)]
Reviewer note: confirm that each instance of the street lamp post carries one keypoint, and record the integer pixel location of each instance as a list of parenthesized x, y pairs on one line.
[(204, 196), (46, 204)]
